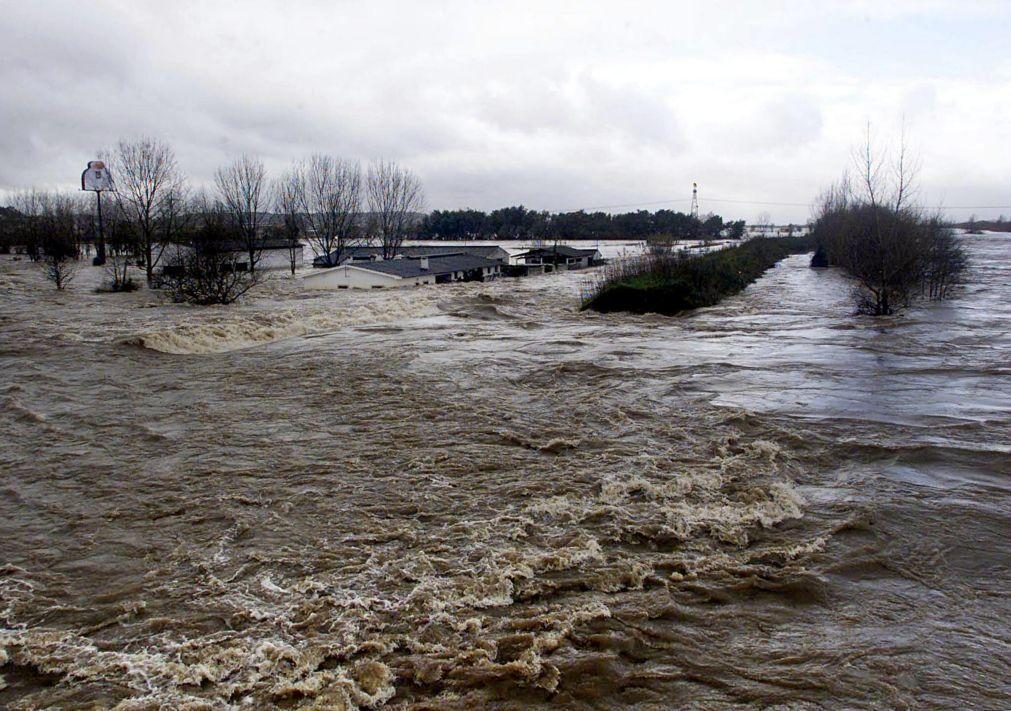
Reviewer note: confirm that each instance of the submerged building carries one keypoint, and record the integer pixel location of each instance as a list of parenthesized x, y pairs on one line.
[(560, 257), (370, 253), (401, 272)]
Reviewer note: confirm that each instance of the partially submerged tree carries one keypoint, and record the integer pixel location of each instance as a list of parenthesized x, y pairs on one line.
[(287, 193), (883, 240), (47, 225), (9, 218), (945, 261), (330, 198), (395, 197), (58, 244), (28, 204), (152, 192), (122, 247), (972, 226), (243, 191), (208, 269)]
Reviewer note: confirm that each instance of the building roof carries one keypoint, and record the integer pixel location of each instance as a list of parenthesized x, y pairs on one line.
[(441, 264), (230, 245), (561, 250), (364, 253), (264, 243), (427, 250)]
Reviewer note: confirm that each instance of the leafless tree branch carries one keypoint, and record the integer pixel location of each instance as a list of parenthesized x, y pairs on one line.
[(395, 196), (244, 191), (151, 191)]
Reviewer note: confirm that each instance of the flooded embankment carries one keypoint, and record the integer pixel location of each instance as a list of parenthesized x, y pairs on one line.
[(476, 496)]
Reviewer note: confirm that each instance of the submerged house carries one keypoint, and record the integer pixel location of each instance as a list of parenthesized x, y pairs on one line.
[(371, 254), (560, 257), (401, 272), (272, 253)]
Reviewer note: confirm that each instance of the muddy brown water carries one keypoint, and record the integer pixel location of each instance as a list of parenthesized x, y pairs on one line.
[(476, 496)]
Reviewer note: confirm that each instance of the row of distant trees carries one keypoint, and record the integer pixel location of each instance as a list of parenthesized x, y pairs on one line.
[(332, 203), (976, 226), (522, 224), (51, 227)]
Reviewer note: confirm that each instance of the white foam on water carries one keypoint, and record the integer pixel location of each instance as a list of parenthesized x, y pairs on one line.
[(240, 329)]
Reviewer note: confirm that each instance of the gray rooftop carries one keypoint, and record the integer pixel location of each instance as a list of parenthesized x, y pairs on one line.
[(441, 264), (365, 253), (426, 250), (561, 250)]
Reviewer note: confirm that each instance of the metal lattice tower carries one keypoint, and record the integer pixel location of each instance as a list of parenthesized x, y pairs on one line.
[(695, 200)]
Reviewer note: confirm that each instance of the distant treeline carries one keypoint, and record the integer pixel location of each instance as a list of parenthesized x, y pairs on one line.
[(974, 225), (519, 223)]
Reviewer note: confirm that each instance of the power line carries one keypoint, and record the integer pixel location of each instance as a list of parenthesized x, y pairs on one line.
[(630, 204), (969, 207), (769, 203), (760, 202)]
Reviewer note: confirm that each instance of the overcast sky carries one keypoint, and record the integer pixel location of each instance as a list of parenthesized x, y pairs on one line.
[(553, 105)]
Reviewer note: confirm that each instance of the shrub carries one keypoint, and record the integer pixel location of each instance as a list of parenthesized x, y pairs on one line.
[(127, 284), (208, 269), (666, 280), (208, 276)]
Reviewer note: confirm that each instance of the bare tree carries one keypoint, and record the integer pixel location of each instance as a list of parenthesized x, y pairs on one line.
[(244, 191), (151, 191), (330, 191), (288, 193), (972, 226), (56, 218), (395, 196), (177, 216), (28, 228), (122, 247), (877, 234)]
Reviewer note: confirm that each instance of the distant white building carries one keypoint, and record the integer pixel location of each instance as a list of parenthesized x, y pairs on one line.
[(560, 257), (776, 231), (401, 272)]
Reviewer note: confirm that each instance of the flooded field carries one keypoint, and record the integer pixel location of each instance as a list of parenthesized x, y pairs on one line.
[(474, 496)]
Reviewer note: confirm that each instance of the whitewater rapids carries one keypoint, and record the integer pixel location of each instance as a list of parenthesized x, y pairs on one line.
[(476, 496)]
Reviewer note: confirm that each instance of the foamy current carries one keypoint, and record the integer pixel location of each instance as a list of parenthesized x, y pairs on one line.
[(476, 496)]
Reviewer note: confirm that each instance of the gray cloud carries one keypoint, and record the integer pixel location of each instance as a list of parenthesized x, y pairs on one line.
[(554, 106)]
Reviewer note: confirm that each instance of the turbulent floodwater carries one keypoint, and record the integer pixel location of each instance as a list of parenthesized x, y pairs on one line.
[(475, 496)]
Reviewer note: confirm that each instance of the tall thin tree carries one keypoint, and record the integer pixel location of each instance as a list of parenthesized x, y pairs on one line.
[(150, 189), (395, 197), (244, 191), (287, 193), (331, 197)]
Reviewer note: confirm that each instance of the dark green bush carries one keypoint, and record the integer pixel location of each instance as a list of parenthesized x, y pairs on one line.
[(668, 281)]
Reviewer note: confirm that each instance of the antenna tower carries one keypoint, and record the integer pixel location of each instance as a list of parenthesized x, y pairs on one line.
[(695, 200)]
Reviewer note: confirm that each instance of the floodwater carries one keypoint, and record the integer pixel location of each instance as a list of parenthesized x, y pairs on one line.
[(474, 496)]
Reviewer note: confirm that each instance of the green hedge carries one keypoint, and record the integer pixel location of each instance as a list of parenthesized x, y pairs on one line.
[(688, 283)]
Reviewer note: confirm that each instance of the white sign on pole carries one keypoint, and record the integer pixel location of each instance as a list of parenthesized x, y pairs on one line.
[(97, 177)]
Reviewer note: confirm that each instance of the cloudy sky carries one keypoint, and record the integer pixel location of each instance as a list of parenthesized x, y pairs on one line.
[(553, 105)]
